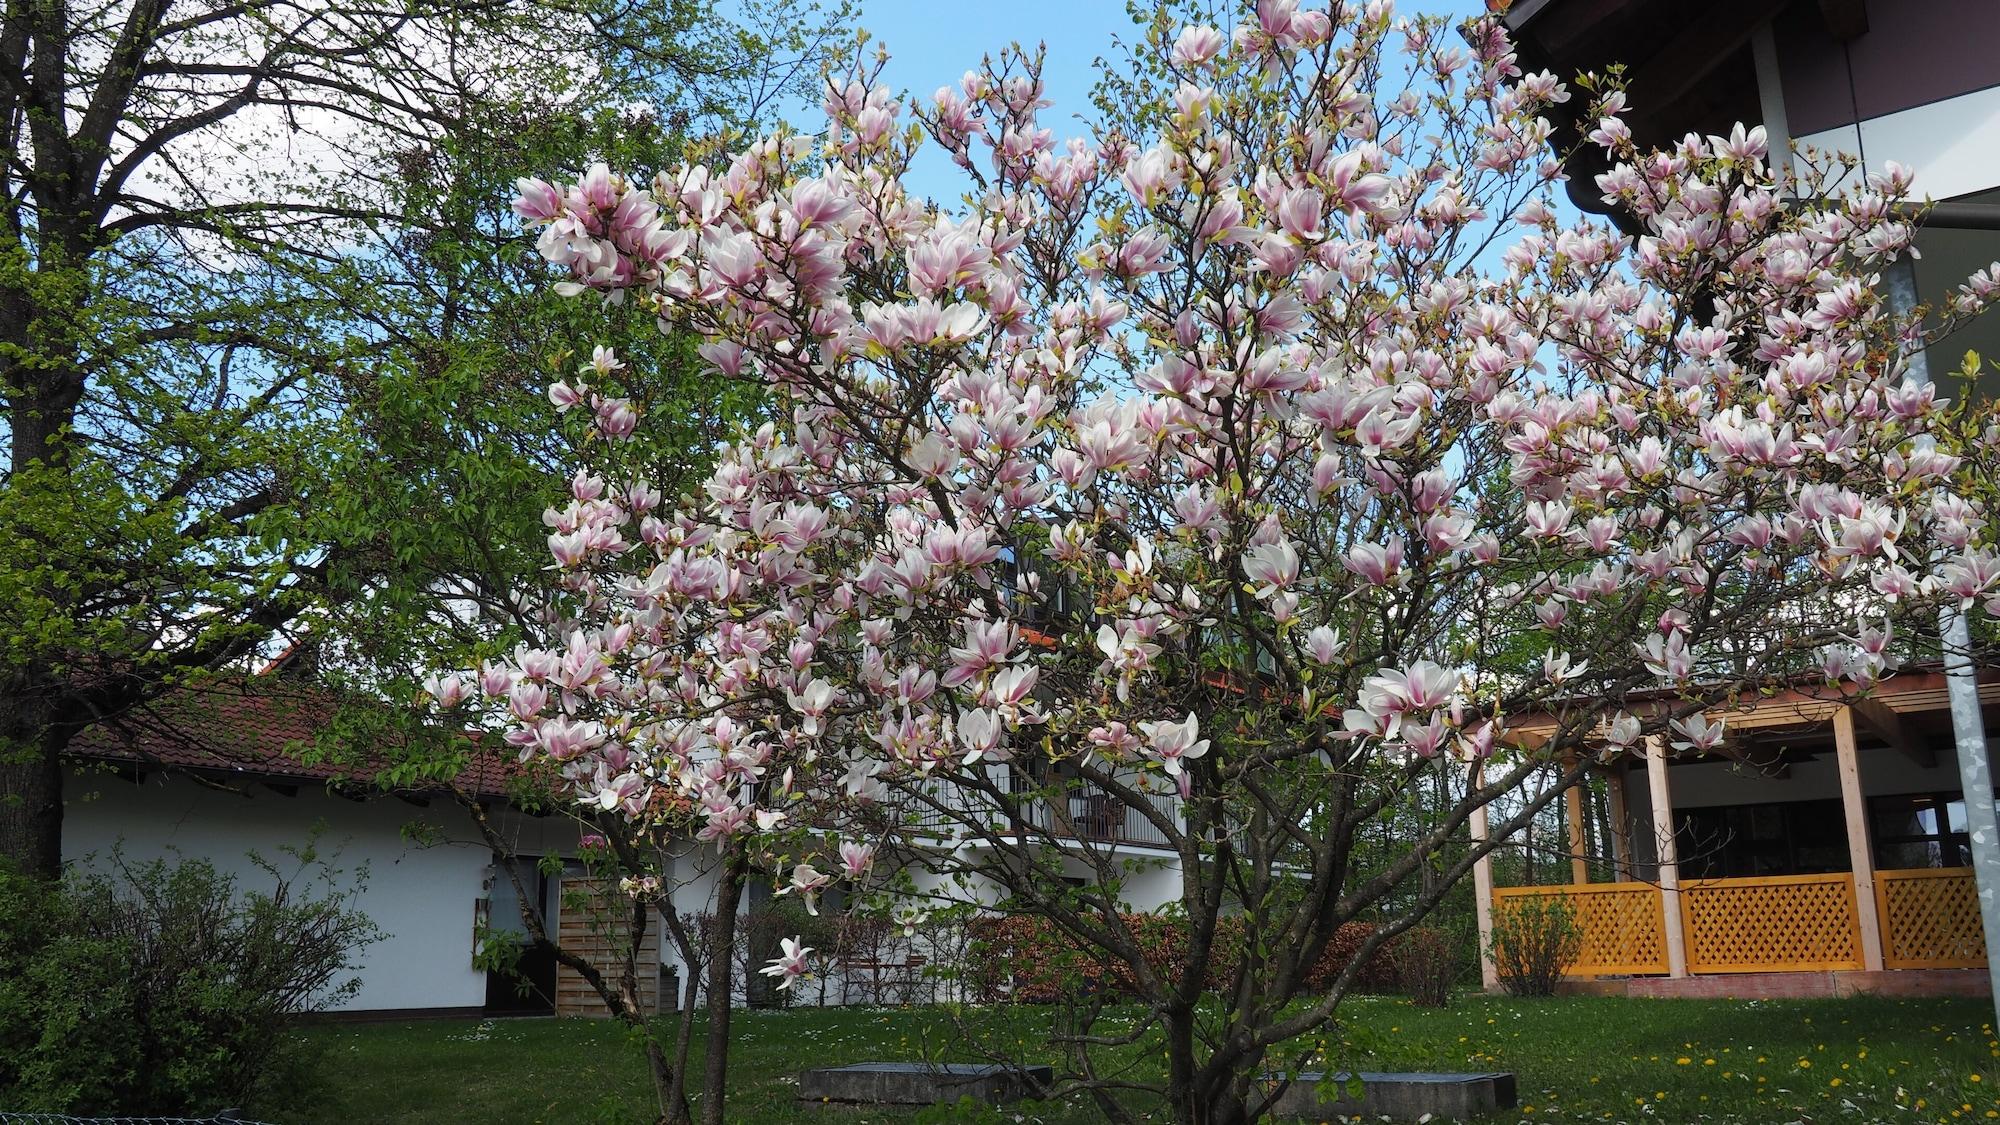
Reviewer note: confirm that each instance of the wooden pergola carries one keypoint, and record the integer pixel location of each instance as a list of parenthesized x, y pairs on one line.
[(1858, 929)]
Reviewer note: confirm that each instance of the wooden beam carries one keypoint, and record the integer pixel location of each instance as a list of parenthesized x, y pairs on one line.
[(1482, 893), (1845, 19), (1621, 827), (1669, 855), (1579, 862), (1706, 40), (1860, 851), (1886, 724)]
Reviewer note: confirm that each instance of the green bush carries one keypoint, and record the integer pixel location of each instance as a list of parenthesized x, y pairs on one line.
[(1535, 940), (757, 939), (162, 988)]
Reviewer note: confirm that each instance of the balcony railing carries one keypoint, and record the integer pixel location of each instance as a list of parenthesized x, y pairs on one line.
[(1074, 809), (1100, 816)]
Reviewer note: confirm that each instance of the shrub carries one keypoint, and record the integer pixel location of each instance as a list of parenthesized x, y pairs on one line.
[(1535, 940), (1426, 961), (1377, 975), (161, 988), (757, 938)]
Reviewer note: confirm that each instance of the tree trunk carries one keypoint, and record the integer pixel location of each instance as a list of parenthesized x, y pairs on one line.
[(41, 399), (1216, 1104), (721, 986), (1189, 1098), (31, 789), (666, 1083), (685, 1008)]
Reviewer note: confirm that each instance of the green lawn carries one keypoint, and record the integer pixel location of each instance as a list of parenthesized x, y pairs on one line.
[(1578, 1059)]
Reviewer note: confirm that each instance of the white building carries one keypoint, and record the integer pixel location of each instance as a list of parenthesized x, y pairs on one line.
[(215, 774)]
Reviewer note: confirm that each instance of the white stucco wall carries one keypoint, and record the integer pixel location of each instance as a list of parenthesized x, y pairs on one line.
[(420, 897), (1152, 886)]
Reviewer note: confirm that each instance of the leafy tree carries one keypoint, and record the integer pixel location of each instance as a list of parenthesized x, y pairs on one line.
[(243, 246), (1200, 476)]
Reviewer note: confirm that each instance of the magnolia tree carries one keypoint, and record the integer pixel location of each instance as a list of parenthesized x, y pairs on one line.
[(1250, 465)]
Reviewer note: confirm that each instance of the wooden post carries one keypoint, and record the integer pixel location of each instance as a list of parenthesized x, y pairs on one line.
[(1860, 850), (1579, 859), (1670, 862), (1621, 828), (1482, 892)]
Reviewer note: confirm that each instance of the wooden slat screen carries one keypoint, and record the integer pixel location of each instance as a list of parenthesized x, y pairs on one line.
[(593, 922)]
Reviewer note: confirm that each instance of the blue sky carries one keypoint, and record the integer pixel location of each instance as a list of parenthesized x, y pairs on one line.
[(935, 41), (932, 42)]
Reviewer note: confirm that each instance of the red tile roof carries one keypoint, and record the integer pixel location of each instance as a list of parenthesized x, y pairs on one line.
[(263, 730)]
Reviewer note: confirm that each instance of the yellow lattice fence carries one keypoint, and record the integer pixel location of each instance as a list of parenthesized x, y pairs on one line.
[(1623, 930), (1774, 924), (1930, 919)]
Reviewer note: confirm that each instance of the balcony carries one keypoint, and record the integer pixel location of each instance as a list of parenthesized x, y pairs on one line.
[(1081, 811), (1099, 817)]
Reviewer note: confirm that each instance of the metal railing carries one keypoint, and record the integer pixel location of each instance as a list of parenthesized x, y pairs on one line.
[(1074, 809), (1099, 816), (223, 1117)]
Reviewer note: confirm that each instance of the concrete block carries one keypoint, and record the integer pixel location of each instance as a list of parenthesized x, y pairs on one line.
[(1400, 1097), (922, 1083)]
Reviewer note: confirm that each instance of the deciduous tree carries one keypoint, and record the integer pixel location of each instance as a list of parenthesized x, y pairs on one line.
[(228, 285), (1207, 466)]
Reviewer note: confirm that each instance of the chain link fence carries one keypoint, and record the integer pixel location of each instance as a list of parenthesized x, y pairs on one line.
[(223, 1117)]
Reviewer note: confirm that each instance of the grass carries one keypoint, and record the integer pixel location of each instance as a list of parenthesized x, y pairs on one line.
[(1578, 1059)]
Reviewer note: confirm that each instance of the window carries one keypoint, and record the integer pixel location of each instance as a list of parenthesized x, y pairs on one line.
[(1740, 841), (1919, 830), (1053, 603), (1949, 255)]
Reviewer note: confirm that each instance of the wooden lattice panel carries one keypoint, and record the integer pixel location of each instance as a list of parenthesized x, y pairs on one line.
[(1623, 927), (1930, 919), (1782, 923), (593, 924)]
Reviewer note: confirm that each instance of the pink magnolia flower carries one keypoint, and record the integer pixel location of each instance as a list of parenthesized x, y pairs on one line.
[(790, 963), (447, 691), (1376, 563), (1667, 656), (807, 882), (1173, 745), (1323, 645), (538, 201), (1275, 566), (856, 859), (1698, 733), (1197, 45)]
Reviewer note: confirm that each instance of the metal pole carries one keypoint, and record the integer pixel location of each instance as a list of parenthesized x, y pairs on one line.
[(1975, 769)]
